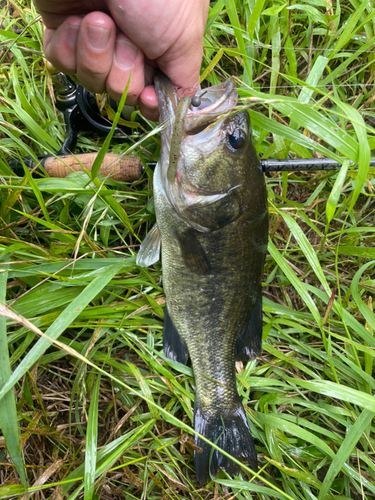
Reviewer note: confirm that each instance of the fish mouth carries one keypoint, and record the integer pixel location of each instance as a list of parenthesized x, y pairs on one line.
[(214, 102), (207, 116), (212, 106)]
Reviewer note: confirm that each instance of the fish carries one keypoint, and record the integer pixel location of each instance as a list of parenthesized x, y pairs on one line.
[(212, 230)]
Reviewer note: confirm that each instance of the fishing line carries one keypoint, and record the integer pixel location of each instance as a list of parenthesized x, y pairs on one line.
[(307, 86), (319, 86), (308, 49), (300, 49)]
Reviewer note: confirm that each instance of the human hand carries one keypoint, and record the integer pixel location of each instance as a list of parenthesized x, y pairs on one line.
[(102, 42)]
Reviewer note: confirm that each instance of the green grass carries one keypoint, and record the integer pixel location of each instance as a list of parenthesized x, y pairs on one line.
[(101, 412)]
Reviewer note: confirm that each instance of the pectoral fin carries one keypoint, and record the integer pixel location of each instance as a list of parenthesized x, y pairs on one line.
[(249, 343), (149, 251), (214, 212), (174, 346), (193, 254)]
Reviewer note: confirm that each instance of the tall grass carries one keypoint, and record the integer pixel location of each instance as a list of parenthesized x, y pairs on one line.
[(89, 404)]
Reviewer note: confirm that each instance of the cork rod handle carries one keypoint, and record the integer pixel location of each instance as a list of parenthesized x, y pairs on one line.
[(114, 166)]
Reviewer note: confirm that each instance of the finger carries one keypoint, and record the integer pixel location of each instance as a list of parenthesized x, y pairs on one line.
[(183, 60), (128, 62), (148, 103), (60, 45), (95, 46), (183, 68), (55, 12)]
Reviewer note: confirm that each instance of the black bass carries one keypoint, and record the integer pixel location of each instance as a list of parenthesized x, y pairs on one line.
[(212, 223)]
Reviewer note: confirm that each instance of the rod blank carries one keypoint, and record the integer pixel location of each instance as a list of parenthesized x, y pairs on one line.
[(303, 164)]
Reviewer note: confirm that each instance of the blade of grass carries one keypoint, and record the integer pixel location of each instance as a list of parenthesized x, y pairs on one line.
[(350, 28), (10, 35), (307, 249), (213, 13), (336, 191), (108, 455), (245, 486), (103, 150), (313, 13), (37, 193), (306, 477), (313, 79), (366, 312), (352, 57), (91, 442), (326, 129), (364, 152), (254, 18), (8, 410), (295, 430), (348, 318), (291, 56), (20, 94), (275, 35), (272, 126), (146, 391), (232, 14), (41, 135), (212, 65), (339, 392), (281, 262), (345, 450)]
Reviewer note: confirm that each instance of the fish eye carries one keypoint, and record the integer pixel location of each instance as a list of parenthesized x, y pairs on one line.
[(236, 139)]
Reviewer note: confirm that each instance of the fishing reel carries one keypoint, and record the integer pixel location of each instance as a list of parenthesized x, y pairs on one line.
[(82, 110)]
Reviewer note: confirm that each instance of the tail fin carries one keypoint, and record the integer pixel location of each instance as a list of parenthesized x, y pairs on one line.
[(231, 433)]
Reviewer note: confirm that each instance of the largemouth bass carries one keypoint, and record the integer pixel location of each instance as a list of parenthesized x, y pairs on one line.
[(212, 223)]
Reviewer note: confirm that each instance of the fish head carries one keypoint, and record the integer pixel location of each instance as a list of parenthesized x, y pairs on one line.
[(216, 165)]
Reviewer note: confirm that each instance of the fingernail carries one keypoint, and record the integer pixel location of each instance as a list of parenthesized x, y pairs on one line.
[(98, 37), (72, 35), (125, 54)]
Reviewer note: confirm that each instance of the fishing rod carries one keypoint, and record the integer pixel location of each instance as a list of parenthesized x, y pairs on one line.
[(301, 164), (80, 111), (124, 169)]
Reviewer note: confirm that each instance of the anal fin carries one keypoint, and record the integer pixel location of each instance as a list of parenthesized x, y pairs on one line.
[(249, 343), (149, 251), (174, 346)]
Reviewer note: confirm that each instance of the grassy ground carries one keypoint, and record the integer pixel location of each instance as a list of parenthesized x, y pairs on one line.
[(101, 412)]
